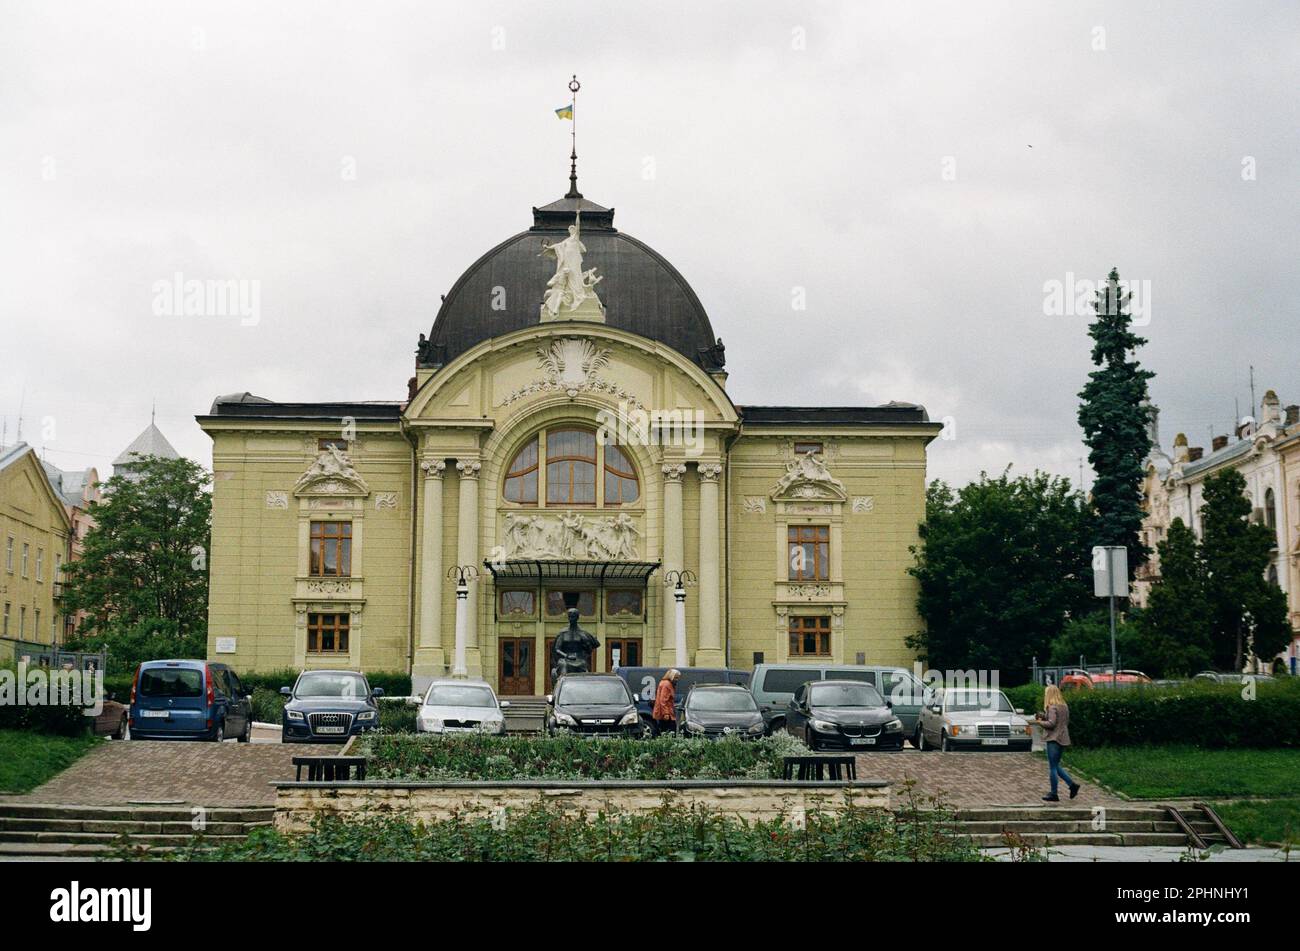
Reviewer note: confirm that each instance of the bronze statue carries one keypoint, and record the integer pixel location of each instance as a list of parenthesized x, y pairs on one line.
[(571, 651)]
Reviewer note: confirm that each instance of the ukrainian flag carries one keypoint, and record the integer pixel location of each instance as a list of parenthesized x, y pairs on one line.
[(564, 112)]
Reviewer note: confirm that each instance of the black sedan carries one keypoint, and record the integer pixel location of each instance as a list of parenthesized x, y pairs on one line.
[(717, 710), (843, 715), (328, 706)]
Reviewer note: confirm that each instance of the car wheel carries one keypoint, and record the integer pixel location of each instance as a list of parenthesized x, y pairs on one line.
[(809, 740), (219, 732), (120, 732), (248, 730), (943, 744)]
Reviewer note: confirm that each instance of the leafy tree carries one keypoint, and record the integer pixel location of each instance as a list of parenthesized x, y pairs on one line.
[(1004, 563), (1114, 413), (1175, 628), (143, 577), (1088, 636), (1247, 611)]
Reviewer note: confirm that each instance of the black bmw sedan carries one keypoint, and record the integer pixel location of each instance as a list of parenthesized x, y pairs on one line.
[(328, 706), (843, 715)]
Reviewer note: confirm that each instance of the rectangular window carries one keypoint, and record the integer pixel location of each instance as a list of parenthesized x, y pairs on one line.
[(331, 549), (6, 620), (40, 564), (327, 633), (810, 636), (323, 444), (517, 604), (9, 555), (36, 626), (623, 603), (804, 448), (58, 566), (810, 547), (555, 604), (22, 621), (26, 552)]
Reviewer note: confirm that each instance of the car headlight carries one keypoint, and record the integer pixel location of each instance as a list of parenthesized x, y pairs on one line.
[(563, 719), (823, 726), (630, 718), (693, 727), (756, 728), (432, 722), (294, 715), (964, 729), (366, 715), (894, 726)]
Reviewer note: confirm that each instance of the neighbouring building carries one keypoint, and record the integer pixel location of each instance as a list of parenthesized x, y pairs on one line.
[(79, 490), (150, 442), (1267, 454), (568, 437), (34, 531)]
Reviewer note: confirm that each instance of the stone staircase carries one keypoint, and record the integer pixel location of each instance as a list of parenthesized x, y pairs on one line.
[(1127, 824), (33, 831), (525, 714)]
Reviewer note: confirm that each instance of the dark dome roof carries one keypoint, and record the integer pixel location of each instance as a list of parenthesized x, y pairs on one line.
[(642, 292)]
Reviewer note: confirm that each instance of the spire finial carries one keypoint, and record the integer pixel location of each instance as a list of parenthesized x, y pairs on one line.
[(574, 86)]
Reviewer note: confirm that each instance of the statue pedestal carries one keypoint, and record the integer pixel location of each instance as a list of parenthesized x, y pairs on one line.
[(591, 309)]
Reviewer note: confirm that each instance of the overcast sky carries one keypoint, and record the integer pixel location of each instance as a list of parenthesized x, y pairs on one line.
[(917, 172)]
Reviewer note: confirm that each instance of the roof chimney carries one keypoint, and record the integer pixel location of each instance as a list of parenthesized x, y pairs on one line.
[(1292, 414), (1217, 443), (1195, 453)]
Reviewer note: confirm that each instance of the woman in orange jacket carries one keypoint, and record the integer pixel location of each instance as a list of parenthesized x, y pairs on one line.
[(665, 709)]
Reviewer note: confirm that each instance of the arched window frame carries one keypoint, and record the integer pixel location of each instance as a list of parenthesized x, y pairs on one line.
[(605, 470)]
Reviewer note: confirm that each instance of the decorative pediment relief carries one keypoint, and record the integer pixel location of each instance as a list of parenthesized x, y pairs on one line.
[(572, 536), (331, 474), (807, 479), (570, 365)]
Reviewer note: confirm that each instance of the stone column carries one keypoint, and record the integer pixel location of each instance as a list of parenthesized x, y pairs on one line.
[(709, 651), (467, 553), (673, 559), (430, 659)]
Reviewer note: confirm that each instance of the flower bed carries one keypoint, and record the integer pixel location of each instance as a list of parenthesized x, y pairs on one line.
[(424, 758)]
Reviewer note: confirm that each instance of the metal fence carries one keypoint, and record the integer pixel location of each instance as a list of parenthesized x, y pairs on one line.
[(13, 651)]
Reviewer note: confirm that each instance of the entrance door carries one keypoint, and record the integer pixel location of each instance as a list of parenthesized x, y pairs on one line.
[(515, 676), (629, 652)]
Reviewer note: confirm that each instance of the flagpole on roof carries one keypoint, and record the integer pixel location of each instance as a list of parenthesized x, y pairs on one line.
[(574, 86)]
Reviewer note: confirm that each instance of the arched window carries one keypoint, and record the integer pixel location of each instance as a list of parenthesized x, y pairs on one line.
[(620, 478), (1270, 510), (567, 461), (570, 467), (521, 477)]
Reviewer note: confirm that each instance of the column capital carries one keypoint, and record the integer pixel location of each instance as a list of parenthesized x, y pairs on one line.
[(433, 468), (468, 468), (710, 471), (673, 471)]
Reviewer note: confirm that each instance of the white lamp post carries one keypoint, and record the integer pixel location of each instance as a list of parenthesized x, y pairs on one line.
[(680, 580), (462, 575)]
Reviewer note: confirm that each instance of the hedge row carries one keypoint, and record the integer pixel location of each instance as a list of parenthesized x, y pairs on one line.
[(566, 756), (1205, 715), (547, 833)]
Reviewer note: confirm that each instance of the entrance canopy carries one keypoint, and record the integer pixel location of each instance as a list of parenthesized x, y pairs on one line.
[(560, 570)]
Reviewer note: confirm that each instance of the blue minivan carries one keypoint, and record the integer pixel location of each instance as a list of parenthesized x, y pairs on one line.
[(189, 700)]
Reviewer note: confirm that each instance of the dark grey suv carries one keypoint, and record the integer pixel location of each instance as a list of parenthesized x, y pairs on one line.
[(328, 706), (593, 704)]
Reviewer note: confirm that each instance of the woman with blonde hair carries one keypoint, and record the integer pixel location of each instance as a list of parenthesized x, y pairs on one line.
[(1056, 731), (665, 709)]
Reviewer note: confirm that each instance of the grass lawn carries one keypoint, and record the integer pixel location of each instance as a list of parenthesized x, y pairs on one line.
[(1274, 821), (1158, 772), (29, 759)]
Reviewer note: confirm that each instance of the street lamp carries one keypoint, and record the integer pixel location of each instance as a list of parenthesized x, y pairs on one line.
[(462, 575), (680, 580)]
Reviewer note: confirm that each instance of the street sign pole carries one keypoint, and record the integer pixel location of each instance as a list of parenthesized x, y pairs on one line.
[(1110, 581)]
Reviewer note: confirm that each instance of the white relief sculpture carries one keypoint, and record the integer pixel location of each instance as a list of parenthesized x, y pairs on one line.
[(331, 473), (864, 503), (571, 365), (755, 505), (386, 500), (806, 477), (276, 499), (572, 537)]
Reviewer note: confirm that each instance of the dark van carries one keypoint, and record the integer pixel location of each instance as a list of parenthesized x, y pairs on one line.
[(643, 681), (189, 700)]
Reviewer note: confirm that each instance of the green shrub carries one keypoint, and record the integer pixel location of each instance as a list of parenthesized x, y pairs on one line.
[(549, 833), (267, 705), (567, 756), (59, 719), (396, 716)]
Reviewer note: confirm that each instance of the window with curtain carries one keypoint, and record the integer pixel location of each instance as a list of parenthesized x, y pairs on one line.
[(571, 467), (521, 477), (620, 478), (572, 461)]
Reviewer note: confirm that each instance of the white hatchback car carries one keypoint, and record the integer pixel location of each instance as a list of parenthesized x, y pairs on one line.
[(461, 706)]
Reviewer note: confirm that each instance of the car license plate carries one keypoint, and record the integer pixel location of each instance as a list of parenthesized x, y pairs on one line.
[(863, 741), (154, 713), (1001, 741), (601, 722), (329, 729)]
